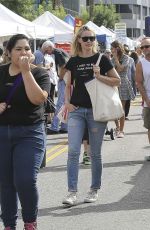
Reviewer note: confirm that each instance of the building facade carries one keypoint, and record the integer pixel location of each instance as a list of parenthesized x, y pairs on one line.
[(133, 12), (74, 7)]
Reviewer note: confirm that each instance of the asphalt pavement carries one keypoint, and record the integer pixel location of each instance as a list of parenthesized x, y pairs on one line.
[(124, 199)]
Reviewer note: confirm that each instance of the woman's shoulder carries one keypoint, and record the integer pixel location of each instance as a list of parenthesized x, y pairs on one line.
[(4, 68)]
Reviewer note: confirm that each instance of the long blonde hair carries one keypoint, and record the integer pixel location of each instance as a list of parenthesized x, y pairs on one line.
[(76, 46)]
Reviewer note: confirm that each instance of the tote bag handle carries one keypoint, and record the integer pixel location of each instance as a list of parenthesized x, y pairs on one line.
[(99, 59)]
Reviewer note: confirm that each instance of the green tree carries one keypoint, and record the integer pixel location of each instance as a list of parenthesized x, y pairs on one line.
[(29, 10), (23, 8), (60, 13), (105, 15), (85, 16), (91, 9), (102, 15)]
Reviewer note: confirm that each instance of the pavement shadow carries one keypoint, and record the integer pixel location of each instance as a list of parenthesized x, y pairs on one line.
[(134, 119), (135, 133), (54, 144), (61, 168), (137, 199), (50, 137)]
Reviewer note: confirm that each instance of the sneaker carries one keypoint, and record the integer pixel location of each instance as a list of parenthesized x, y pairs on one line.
[(120, 134), (147, 158), (86, 159), (92, 196), (30, 226), (70, 199)]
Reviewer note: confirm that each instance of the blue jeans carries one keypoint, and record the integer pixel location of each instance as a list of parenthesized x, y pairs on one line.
[(60, 102), (21, 153), (76, 125)]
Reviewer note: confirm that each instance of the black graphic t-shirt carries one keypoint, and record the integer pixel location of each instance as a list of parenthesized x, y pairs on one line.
[(81, 72)]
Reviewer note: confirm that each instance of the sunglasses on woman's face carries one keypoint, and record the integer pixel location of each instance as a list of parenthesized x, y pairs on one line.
[(91, 38), (145, 47)]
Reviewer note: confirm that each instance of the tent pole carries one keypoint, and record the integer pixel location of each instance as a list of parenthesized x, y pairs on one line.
[(34, 45)]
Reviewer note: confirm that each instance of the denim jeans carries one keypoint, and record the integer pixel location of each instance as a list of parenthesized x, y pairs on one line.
[(60, 102), (21, 153), (76, 125)]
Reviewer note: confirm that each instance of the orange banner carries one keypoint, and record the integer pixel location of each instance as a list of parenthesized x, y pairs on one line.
[(77, 24)]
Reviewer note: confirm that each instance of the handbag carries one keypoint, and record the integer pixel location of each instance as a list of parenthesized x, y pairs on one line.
[(106, 103)]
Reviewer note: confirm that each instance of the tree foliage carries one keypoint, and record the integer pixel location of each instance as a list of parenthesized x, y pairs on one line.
[(105, 15), (29, 10), (85, 16), (24, 8), (102, 15)]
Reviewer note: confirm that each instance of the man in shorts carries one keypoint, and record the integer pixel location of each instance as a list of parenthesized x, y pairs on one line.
[(143, 82)]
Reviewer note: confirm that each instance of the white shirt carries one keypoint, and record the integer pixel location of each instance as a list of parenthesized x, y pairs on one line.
[(146, 75)]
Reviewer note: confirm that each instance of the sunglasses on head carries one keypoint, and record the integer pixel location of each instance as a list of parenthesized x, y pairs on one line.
[(91, 38), (145, 47)]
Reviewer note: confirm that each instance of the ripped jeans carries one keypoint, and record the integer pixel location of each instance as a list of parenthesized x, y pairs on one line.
[(76, 125)]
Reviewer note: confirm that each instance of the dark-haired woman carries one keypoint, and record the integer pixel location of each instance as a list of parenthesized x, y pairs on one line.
[(23, 91), (121, 63)]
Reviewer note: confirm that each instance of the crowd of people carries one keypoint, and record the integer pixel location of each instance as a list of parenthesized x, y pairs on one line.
[(28, 81)]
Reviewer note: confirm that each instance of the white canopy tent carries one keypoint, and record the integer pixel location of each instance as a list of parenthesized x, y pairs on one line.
[(108, 32), (11, 23), (95, 28), (63, 32), (127, 41)]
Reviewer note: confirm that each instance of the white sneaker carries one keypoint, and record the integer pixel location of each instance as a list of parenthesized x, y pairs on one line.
[(70, 199), (120, 134), (92, 196)]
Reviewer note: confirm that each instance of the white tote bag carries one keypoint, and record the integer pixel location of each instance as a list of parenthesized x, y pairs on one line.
[(106, 103)]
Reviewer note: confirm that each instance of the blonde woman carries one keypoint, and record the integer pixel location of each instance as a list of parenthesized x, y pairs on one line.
[(80, 69)]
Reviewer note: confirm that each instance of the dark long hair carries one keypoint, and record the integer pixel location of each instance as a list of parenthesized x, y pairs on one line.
[(13, 40), (119, 46)]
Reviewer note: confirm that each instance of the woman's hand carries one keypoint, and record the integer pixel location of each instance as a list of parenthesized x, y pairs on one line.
[(24, 64), (96, 70), (3, 107), (70, 107)]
